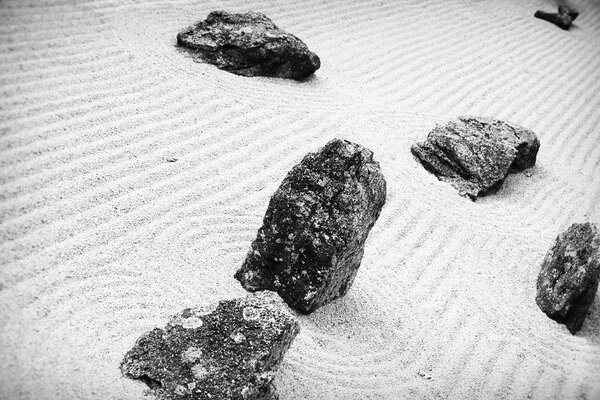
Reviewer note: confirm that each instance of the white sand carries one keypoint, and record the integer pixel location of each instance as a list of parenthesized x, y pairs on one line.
[(101, 239)]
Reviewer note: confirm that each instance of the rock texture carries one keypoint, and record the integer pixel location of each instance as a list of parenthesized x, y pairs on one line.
[(249, 44), (312, 239), (475, 154), (568, 280), (228, 351), (563, 19)]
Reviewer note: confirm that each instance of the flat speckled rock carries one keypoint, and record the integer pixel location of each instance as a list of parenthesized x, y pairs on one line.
[(568, 280), (475, 154), (227, 351), (311, 243), (249, 44)]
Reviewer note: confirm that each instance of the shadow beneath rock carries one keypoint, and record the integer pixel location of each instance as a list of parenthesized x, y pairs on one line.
[(360, 319), (519, 184), (199, 58), (309, 79), (591, 326)]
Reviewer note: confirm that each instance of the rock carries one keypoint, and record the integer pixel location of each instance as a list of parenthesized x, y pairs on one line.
[(227, 351), (312, 239), (249, 44), (475, 154), (564, 19), (573, 14), (568, 280)]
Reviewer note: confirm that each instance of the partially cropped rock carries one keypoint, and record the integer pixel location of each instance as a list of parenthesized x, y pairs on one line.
[(249, 44), (563, 19), (475, 154), (226, 351), (568, 280), (312, 240)]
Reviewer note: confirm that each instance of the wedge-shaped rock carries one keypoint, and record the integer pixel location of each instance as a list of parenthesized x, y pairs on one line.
[(249, 44), (563, 19), (228, 351), (313, 235), (568, 280), (475, 154)]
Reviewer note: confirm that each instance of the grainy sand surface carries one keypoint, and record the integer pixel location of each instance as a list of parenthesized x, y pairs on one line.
[(102, 239)]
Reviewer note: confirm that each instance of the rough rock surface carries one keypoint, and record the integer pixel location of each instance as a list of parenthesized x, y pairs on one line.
[(563, 19), (249, 44), (475, 154), (568, 280), (227, 351), (312, 239)]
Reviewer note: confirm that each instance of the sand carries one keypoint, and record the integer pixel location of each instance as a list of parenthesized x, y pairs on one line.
[(102, 239)]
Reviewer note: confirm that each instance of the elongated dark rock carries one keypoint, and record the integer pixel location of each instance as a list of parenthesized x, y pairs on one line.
[(226, 351), (475, 154), (312, 240), (568, 280), (249, 44), (563, 19)]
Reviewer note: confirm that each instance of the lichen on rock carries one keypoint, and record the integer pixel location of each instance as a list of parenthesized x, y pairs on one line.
[(249, 44), (216, 353), (568, 280), (311, 243), (475, 154)]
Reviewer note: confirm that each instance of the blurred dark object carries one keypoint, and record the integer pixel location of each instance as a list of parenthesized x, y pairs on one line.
[(569, 11), (563, 19)]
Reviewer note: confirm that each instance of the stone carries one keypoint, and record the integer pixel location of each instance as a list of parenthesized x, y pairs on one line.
[(568, 279), (476, 154), (227, 351), (572, 13), (563, 19), (312, 239), (249, 44)]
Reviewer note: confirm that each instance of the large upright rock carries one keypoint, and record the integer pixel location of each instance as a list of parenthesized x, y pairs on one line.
[(313, 235), (475, 154), (249, 44), (227, 351), (568, 280)]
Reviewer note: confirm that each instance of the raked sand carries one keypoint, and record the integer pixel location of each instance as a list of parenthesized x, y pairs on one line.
[(102, 239)]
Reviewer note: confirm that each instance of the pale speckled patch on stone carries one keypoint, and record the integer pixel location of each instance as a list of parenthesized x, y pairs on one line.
[(248, 391), (191, 322), (199, 371), (192, 318), (192, 354), (181, 390), (205, 309), (251, 314), (237, 337)]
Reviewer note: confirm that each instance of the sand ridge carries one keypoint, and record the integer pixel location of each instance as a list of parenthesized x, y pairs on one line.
[(102, 239)]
